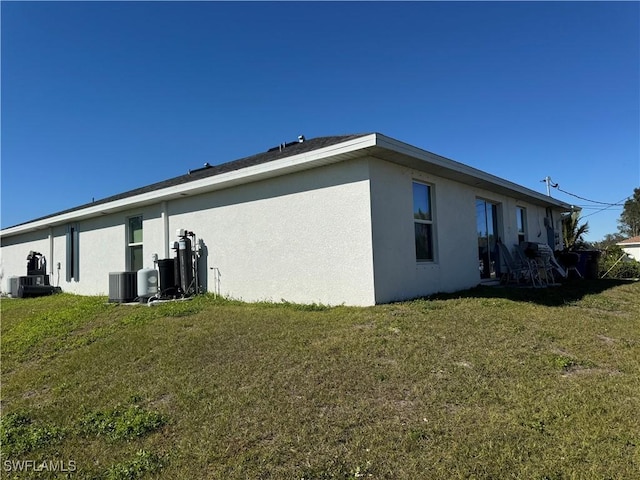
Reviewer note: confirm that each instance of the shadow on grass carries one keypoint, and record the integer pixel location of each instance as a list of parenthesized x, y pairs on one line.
[(554, 296)]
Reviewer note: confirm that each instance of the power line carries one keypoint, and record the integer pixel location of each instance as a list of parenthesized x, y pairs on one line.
[(606, 208), (550, 183), (595, 207), (618, 204), (587, 206)]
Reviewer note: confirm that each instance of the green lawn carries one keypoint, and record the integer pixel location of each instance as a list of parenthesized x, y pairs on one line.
[(489, 383)]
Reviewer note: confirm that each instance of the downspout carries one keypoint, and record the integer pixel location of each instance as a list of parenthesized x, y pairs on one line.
[(165, 228), (51, 259), (550, 227)]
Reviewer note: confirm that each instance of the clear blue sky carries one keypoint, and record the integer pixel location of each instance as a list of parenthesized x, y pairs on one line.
[(103, 97)]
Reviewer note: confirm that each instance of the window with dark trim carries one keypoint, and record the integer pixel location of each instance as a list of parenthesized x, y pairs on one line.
[(488, 237), (521, 221), (134, 244), (423, 222), (72, 253)]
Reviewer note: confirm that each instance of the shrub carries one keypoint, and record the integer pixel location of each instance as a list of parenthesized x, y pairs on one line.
[(122, 424), (611, 264), (144, 462), (18, 434)]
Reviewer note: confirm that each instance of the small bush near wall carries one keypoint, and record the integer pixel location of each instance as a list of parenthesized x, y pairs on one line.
[(610, 262)]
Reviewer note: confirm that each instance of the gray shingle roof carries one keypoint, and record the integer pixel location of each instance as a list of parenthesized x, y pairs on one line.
[(276, 153)]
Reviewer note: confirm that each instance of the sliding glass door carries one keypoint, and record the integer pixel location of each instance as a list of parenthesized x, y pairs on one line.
[(487, 227)]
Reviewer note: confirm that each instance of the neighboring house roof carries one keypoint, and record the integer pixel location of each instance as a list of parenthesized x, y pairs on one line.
[(630, 241), (283, 159)]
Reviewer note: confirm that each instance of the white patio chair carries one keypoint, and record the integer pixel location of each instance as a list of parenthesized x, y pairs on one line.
[(530, 265), (516, 270), (548, 263)]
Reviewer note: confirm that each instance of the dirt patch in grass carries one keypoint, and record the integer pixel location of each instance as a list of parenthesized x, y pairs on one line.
[(578, 370), (606, 340)]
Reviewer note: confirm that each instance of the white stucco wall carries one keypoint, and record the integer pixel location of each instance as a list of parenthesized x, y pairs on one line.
[(536, 225), (397, 273), (103, 248), (13, 255), (633, 250), (303, 237), (102, 245)]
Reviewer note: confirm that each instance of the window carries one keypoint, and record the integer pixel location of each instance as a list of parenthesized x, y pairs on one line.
[(423, 222), (521, 219), (487, 227), (134, 245), (72, 253)]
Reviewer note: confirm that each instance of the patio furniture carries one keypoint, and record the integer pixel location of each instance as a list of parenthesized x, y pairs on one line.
[(516, 270), (570, 261), (547, 263), (533, 269)]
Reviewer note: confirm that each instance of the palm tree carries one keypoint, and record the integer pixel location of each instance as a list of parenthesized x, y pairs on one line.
[(573, 233)]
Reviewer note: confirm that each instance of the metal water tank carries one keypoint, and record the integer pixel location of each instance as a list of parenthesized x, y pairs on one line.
[(147, 283), (186, 265)]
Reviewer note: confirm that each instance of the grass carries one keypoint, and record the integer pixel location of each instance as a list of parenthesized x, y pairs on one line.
[(488, 383)]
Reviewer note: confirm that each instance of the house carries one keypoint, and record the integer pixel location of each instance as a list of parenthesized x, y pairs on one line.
[(354, 219), (631, 246)]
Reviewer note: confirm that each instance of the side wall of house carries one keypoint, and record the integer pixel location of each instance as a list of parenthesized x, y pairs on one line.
[(101, 248), (13, 255), (633, 250), (397, 273), (456, 265), (303, 237)]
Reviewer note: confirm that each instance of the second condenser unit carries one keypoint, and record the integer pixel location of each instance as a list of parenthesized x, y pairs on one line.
[(122, 287)]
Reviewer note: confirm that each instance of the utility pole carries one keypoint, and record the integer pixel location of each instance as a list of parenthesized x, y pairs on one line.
[(549, 183)]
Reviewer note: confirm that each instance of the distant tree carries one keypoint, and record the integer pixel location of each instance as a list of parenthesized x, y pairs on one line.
[(629, 221), (573, 233), (609, 241)]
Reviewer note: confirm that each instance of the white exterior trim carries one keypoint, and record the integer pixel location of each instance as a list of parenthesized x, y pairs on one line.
[(387, 148)]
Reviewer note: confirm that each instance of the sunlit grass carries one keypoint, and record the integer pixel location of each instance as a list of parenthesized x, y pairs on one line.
[(489, 383)]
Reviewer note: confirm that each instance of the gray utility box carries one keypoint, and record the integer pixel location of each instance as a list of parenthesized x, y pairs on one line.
[(31, 286), (29, 280)]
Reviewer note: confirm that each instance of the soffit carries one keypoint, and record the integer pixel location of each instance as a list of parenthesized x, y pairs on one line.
[(406, 155)]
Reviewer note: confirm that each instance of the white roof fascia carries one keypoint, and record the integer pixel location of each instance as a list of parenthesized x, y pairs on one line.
[(303, 161), (466, 170), (332, 154), (628, 244)]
